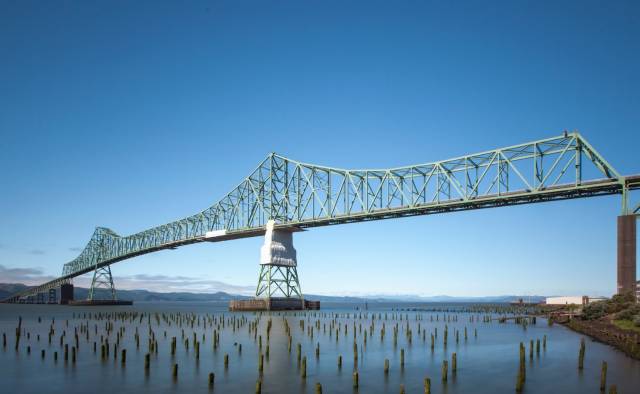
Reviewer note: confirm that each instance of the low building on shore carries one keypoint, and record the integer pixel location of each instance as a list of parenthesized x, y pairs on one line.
[(576, 300)]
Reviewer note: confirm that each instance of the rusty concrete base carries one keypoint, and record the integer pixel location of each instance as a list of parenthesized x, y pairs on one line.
[(627, 254), (273, 304)]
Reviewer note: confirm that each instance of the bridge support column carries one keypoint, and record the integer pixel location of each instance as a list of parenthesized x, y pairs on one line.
[(278, 267), (627, 254), (66, 293), (102, 279)]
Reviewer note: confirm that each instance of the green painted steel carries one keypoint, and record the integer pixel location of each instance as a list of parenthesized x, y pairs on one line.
[(297, 194)]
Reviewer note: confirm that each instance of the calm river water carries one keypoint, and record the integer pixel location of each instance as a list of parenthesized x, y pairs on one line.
[(486, 363)]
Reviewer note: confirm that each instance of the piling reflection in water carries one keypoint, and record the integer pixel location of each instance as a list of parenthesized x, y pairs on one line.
[(201, 347)]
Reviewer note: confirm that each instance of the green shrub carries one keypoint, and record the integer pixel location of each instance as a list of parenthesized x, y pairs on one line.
[(595, 310), (629, 313)]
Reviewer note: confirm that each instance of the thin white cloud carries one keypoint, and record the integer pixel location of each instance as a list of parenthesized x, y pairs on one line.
[(156, 283), (27, 276), (170, 284)]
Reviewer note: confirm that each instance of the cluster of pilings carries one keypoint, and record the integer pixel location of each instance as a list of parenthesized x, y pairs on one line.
[(116, 336)]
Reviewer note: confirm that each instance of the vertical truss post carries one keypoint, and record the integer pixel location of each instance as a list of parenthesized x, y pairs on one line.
[(578, 162)]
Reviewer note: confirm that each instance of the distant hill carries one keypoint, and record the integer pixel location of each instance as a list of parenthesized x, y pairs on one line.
[(7, 289), (79, 293)]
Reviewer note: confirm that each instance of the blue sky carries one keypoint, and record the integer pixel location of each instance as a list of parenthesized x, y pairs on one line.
[(132, 114)]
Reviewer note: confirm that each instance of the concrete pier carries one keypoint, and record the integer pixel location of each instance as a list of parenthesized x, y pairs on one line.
[(66, 293), (273, 304), (627, 254)]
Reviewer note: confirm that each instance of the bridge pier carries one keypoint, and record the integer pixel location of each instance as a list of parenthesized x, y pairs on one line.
[(66, 293), (627, 254), (102, 279), (278, 267)]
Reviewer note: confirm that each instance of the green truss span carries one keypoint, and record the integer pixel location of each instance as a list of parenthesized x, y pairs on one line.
[(301, 195)]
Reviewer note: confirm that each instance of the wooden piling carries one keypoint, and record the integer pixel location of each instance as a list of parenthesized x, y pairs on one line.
[(303, 368), (355, 380), (581, 354), (454, 363), (427, 386), (386, 366), (603, 377), (259, 386), (445, 368)]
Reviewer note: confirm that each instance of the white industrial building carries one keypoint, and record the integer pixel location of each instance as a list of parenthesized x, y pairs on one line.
[(568, 300)]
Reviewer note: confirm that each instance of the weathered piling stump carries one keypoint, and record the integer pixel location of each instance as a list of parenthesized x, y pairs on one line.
[(603, 377), (355, 380), (318, 388), (259, 386), (212, 378), (581, 355), (454, 363), (445, 372), (303, 368), (427, 386), (174, 372), (386, 366)]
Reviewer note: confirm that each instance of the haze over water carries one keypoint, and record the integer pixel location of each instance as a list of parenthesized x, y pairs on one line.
[(487, 363)]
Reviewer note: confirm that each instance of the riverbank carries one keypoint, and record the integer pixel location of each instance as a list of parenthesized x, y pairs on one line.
[(604, 330), (614, 322)]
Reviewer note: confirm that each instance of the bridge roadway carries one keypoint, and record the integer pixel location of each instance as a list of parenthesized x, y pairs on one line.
[(300, 196)]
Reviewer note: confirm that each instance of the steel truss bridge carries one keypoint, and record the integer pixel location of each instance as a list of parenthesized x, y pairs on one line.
[(300, 195)]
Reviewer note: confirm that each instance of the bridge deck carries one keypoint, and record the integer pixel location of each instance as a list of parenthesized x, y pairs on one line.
[(298, 195)]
